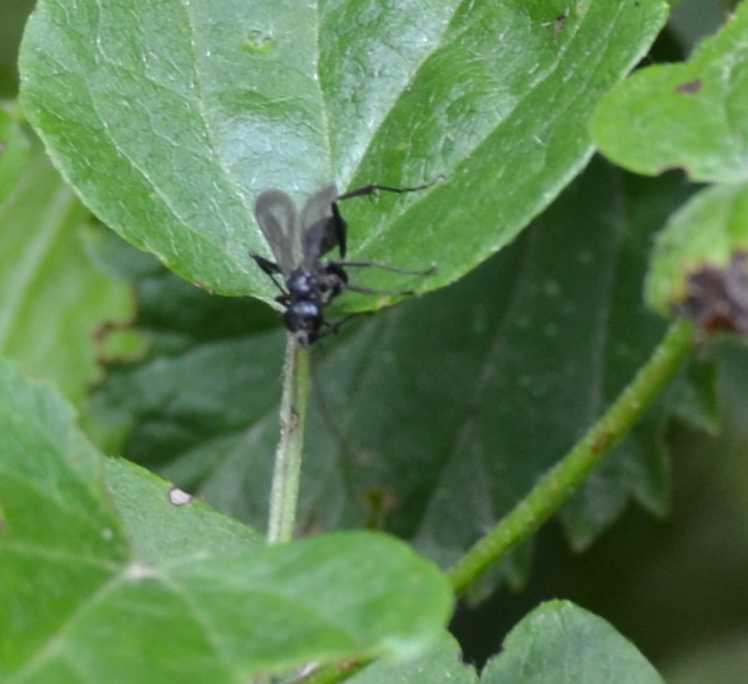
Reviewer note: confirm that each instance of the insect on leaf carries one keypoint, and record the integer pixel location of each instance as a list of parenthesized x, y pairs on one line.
[(170, 118)]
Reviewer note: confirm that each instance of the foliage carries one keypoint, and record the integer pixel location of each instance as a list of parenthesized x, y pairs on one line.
[(187, 110), (381, 460), (690, 116), (103, 537), (55, 297), (433, 422)]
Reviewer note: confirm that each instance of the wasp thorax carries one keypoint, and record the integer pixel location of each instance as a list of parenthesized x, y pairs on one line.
[(301, 283)]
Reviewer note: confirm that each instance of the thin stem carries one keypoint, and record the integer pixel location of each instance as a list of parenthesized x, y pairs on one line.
[(285, 489), (564, 478)]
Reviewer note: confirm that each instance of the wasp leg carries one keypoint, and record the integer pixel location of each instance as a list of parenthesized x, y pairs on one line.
[(271, 269), (388, 293), (385, 267), (334, 327), (340, 227), (371, 189)]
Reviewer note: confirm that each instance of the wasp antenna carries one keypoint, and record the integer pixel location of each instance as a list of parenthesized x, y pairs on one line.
[(387, 293), (372, 188), (387, 267)]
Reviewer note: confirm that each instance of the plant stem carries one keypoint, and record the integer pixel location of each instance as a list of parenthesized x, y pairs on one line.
[(285, 489), (564, 478), (562, 481)]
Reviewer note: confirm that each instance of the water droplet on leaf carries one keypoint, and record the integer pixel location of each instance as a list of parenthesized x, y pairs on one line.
[(179, 497)]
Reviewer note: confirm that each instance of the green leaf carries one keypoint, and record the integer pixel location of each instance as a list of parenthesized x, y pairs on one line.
[(559, 643), (14, 152), (108, 573), (515, 362), (709, 231), (441, 665), (169, 118), (54, 297), (692, 116), (164, 524)]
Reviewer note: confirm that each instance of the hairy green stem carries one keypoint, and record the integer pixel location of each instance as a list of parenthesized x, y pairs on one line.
[(285, 490), (564, 478)]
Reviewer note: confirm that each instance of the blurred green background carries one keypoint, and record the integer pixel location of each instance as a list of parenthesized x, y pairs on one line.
[(678, 588)]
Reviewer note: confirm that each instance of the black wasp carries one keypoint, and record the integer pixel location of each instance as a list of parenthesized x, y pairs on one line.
[(298, 244)]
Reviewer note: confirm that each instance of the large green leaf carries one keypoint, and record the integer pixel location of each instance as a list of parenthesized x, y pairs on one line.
[(108, 574), (169, 118), (559, 643), (432, 420), (54, 297), (692, 115)]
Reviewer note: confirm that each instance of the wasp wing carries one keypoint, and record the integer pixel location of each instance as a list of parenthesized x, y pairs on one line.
[(275, 213), (321, 231)]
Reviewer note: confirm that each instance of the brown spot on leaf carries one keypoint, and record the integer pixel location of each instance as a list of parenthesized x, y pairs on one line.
[(560, 22), (380, 502), (104, 330), (103, 333), (602, 442), (717, 298), (690, 87), (310, 525)]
